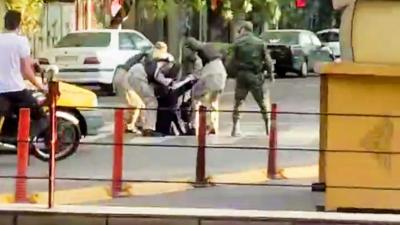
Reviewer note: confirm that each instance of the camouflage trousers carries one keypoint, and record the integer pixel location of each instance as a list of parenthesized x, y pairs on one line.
[(255, 84)]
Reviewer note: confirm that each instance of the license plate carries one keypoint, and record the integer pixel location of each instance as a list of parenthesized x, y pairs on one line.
[(66, 59)]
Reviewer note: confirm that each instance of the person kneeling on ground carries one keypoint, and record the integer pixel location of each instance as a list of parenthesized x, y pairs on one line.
[(142, 79), (135, 117), (168, 113)]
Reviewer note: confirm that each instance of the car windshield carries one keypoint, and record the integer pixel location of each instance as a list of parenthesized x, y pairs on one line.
[(329, 37), (85, 40), (287, 38)]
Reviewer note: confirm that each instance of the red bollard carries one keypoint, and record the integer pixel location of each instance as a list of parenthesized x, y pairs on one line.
[(201, 151), (118, 153), (23, 155), (272, 172)]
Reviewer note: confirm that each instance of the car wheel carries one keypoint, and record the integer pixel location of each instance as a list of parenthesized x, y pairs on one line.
[(281, 73), (304, 69)]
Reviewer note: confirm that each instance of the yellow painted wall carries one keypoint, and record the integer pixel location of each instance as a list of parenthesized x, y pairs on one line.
[(352, 89), (370, 37), (376, 33), (369, 31)]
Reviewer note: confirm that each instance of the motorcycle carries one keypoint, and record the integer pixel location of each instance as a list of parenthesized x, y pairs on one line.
[(68, 127)]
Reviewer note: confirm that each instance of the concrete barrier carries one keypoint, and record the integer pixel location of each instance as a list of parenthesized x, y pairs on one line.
[(21, 214)]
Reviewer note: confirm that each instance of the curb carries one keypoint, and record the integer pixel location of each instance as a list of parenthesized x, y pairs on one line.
[(300, 172), (74, 196), (147, 189), (103, 193), (7, 198), (251, 176)]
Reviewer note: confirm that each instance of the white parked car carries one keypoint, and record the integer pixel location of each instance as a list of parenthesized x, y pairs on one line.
[(90, 57), (330, 38)]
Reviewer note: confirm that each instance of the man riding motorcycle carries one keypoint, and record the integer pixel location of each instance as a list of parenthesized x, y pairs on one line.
[(15, 65)]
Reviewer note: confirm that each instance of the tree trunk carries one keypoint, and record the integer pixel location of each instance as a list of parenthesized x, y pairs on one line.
[(130, 22), (174, 23)]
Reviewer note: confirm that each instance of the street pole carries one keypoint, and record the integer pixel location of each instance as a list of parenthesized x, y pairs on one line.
[(53, 93)]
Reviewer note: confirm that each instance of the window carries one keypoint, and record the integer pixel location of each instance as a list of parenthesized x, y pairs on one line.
[(125, 42), (141, 43), (287, 38), (132, 41), (305, 39), (329, 37), (85, 40)]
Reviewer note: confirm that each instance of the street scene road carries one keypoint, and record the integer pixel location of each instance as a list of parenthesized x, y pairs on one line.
[(155, 163), (331, 156)]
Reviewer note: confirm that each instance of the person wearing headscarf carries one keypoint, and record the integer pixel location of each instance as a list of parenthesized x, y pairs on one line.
[(135, 118), (212, 77)]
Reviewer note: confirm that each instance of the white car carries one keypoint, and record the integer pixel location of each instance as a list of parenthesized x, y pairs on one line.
[(330, 38), (90, 57)]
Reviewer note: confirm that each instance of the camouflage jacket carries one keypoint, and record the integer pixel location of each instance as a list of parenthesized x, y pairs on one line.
[(250, 53)]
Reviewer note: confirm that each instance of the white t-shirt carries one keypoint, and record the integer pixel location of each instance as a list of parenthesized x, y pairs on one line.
[(13, 48)]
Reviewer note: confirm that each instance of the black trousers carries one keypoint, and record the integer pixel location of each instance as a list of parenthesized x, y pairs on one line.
[(165, 118), (13, 101)]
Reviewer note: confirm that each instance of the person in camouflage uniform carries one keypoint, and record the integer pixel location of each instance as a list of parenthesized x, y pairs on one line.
[(250, 61)]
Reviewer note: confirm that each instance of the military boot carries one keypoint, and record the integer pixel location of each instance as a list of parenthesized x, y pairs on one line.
[(236, 129)]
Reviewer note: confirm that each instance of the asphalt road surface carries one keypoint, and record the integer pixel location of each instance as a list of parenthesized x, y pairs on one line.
[(95, 161)]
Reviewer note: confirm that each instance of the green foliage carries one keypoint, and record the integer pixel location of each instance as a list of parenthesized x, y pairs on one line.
[(318, 15), (31, 12), (268, 9)]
